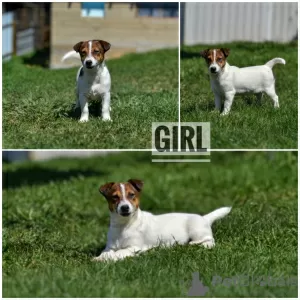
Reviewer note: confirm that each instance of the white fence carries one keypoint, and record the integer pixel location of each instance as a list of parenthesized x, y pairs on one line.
[(210, 23)]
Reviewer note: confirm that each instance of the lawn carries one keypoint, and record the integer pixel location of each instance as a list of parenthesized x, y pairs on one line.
[(55, 221), (38, 104), (249, 125)]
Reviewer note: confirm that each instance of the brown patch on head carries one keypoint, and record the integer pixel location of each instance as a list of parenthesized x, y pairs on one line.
[(208, 55), (83, 49), (114, 193), (225, 51), (99, 47), (137, 184), (108, 191), (205, 53), (221, 57), (215, 56), (133, 189)]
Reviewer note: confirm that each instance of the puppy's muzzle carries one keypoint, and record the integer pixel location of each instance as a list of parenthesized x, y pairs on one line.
[(89, 64), (213, 70), (125, 210)]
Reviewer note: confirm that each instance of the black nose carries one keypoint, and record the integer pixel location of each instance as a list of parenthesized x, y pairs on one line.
[(125, 208), (88, 63), (213, 69)]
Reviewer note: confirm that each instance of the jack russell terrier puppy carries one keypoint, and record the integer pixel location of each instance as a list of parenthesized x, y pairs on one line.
[(93, 78), (133, 231), (227, 80)]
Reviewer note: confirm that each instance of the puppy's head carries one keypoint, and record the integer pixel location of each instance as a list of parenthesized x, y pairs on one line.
[(92, 52), (123, 198), (215, 59)]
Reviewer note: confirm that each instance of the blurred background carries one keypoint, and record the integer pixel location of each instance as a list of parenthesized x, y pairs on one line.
[(51, 29), (212, 22), (18, 156)]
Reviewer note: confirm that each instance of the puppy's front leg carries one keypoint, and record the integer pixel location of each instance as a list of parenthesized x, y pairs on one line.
[(84, 108), (217, 101), (77, 104), (228, 102), (106, 106), (107, 255)]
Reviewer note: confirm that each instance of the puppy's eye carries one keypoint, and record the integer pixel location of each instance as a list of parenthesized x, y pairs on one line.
[(220, 59), (83, 53), (115, 197), (131, 195), (96, 51)]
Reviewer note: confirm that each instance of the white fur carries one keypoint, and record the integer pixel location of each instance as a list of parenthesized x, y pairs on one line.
[(230, 80), (94, 84), (124, 201), (128, 236)]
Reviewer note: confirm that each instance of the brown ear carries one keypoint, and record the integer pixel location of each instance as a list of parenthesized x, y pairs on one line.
[(225, 51), (204, 53), (104, 189), (105, 45), (137, 184), (77, 46)]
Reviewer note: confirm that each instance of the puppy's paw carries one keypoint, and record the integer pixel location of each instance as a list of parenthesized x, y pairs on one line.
[(106, 118), (83, 120), (105, 256), (98, 258), (224, 113), (209, 244)]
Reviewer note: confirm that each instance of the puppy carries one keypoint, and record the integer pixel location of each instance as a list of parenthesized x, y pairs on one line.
[(93, 78), (133, 231), (227, 80)]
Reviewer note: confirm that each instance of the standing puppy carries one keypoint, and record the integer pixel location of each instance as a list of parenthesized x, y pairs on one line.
[(93, 78), (226, 80), (132, 230)]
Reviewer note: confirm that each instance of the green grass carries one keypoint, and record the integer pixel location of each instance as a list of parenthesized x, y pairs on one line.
[(249, 125), (38, 104), (55, 221)]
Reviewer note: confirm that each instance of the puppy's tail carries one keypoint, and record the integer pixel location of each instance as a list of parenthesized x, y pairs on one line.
[(70, 54), (275, 61), (217, 214)]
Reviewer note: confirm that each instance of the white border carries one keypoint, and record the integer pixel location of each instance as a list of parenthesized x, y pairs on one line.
[(149, 150)]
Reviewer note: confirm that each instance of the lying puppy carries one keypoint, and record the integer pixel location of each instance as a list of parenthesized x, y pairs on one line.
[(93, 78), (133, 231), (226, 80)]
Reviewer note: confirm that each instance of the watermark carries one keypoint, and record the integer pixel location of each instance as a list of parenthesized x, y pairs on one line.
[(188, 141), (196, 288)]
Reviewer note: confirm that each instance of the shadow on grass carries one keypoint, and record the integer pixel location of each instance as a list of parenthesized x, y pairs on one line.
[(189, 55), (72, 113), (209, 105), (202, 106), (94, 250), (39, 58), (35, 175)]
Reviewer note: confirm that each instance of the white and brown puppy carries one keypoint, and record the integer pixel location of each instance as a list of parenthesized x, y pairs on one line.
[(227, 80), (132, 230), (93, 78)]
